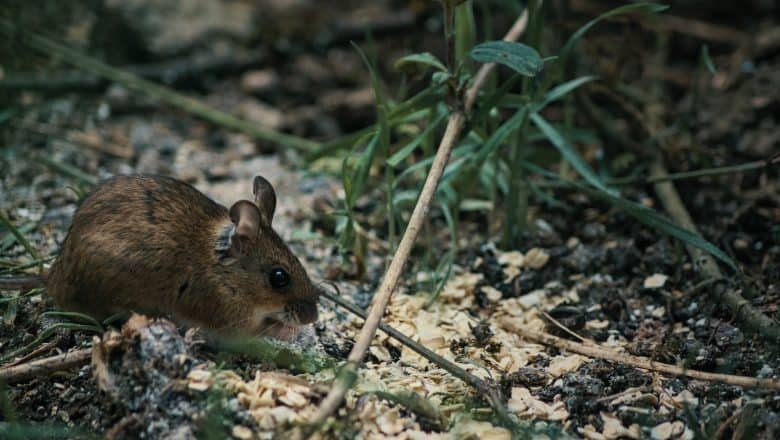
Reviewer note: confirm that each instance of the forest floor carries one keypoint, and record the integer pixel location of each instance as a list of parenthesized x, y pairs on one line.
[(584, 271)]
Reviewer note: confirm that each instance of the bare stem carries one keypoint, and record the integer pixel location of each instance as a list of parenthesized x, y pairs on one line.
[(598, 352), (46, 366), (455, 124)]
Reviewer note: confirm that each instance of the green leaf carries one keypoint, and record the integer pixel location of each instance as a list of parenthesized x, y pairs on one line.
[(465, 32), (562, 89), (75, 317), (661, 223), (10, 238), (523, 59), (493, 99), (499, 136), (569, 153), (19, 236), (645, 215), (403, 153), (705, 57), (634, 7), (410, 110), (6, 115), (409, 62), (420, 165), (355, 170)]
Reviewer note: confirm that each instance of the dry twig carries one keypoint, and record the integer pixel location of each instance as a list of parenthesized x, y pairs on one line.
[(744, 311), (598, 352), (45, 366), (483, 387), (455, 124), (704, 262)]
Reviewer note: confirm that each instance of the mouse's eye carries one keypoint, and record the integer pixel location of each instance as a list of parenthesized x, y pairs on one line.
[(278, 277)]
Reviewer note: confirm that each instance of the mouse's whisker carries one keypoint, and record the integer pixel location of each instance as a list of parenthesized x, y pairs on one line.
[(232, 325), (330, 284)]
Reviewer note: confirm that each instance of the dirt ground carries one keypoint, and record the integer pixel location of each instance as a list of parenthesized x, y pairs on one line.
[(584, 270)]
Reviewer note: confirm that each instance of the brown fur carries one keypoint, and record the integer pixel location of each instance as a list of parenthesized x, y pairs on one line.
[(147, 244)]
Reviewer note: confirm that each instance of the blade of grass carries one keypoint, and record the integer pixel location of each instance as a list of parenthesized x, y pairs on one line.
[(67, 170), (404, 152), (45, 334), (6, 222), (448, 259), (705, 172), (138, 84), (75, 316), (569, 153), (465, 33), (383, 140), (634, 7), (424, 58), (14, 298), (645, 215), (400, 113), (561, 90), (12, 267), (10, 238), (355, 178)]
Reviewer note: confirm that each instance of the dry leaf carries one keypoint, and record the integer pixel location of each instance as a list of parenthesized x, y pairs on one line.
[(613, 427), (655, 281), (536, 258), (241, 432), (666, 430)]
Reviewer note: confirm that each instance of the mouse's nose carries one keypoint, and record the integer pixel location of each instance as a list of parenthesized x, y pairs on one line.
[(305, 312)]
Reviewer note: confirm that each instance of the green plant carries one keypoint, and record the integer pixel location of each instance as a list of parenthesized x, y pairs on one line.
[(507, 130)]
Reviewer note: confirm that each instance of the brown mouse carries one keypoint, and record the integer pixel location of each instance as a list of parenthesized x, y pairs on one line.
[(158, 246)]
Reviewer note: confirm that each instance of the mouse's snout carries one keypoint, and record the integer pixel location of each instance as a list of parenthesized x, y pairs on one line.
[(303, 311)]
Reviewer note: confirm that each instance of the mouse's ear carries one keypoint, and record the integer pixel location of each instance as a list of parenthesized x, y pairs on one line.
[(245, 215), (265, 198)]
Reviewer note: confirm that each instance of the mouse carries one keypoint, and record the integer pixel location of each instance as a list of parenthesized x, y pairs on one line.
[(157, 246)]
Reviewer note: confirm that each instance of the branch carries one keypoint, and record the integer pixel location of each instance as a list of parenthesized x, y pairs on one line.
[(382, 297), (598, 352), (670, 198), (483, 387), (45, 366), (673, 205), (744, 311)]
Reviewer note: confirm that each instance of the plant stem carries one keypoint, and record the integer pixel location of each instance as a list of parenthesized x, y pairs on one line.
[(598, 352), (455, 124)]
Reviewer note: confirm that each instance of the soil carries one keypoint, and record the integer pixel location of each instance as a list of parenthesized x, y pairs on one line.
[(589, 266)]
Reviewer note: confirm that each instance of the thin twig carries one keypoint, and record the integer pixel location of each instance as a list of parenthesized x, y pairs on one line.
[(566, 329), (46, 366), (650, 124), (670, 198), (705, 263), (455, 124), (725, 425), (134, 82), (23, 283), (336, 395), (598, 352), (33, 354), (483, 387)]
